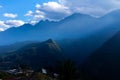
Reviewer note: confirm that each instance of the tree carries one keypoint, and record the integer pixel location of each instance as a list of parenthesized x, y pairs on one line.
[(67, 70), (5, 76)]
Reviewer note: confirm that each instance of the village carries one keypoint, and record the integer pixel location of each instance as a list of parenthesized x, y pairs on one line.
[(27, 74)]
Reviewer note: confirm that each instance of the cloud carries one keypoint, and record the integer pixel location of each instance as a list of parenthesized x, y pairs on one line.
[(54, 7), (49, 10), (10, 15), (97, 11), (3, 24), (62, 8), (55, 10), (29, 13), (1, 29), (14, 22), (10, 23), (38, 6), (92, 7), (33, 22), (37, 15)]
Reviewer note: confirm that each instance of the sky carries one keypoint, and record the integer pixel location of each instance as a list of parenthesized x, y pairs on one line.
[(14, 13)]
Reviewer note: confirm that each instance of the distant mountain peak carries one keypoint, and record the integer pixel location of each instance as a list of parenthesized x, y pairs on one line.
[(116, 11), (50, 41), (79, 15), (113, 14), (53, 45), (27, 24)]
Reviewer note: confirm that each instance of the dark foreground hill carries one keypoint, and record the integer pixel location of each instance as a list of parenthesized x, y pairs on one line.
[(36, 55), (104, 64)]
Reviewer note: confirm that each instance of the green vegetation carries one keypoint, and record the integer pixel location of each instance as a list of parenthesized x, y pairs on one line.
[(67, 70), (5, 76), (27, 63)]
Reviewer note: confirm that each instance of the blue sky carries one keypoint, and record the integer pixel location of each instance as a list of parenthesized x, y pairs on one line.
[(16, 13), (18, 7)]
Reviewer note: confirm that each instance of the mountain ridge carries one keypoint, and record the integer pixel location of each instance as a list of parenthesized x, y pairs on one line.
[(74, 35), (36, 55), (104, 64)]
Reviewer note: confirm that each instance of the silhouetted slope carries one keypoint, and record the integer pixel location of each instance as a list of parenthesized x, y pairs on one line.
[(104, 64), (36, 55), (104, 28)]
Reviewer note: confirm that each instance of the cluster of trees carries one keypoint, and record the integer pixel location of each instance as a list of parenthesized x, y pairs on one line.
[(66, 70)]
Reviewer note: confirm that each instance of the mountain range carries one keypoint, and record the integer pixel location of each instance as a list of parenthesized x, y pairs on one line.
[(75, 26), (75, 34), (37, 55)]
